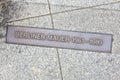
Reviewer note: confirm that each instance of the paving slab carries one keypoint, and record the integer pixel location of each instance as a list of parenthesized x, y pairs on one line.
[(21, 10), (78, 65), (86, 65), (91, 20), (82, 3), (22, 62), (41, 63), (63, 5), (28, 63)]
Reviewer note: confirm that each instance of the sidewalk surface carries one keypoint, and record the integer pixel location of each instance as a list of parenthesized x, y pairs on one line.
[(23, 62)]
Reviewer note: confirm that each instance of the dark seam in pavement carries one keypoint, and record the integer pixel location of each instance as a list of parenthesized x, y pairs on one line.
[(60, 68), (92, 7)]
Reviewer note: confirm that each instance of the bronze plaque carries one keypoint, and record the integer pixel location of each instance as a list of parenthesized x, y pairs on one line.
[(60, 39)]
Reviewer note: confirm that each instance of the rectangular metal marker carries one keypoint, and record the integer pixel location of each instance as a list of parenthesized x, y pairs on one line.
[(60, 39)]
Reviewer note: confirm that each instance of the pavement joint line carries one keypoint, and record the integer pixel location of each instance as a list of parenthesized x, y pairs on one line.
[(82, 8), (59, 62), (49, 6)]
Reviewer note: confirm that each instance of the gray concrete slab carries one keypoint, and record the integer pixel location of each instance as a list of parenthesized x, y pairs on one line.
[(21, 10), (84, 65), (63, 5), (28, 63), (32, 1), (82, 3), (79, 65), (22, 62), (41, 63), (91, 20)]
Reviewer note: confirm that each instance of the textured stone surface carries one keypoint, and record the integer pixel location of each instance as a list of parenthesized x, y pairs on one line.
[(113, 7), (22, 62), (91, 20), (63, 5), (4, 17), (18, 62), (41, 22), (78, 65), (82, 3), (32, 1), (84, 65), (21, 10)]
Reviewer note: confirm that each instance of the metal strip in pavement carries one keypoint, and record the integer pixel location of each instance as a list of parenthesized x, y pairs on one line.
[(97, 42)]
